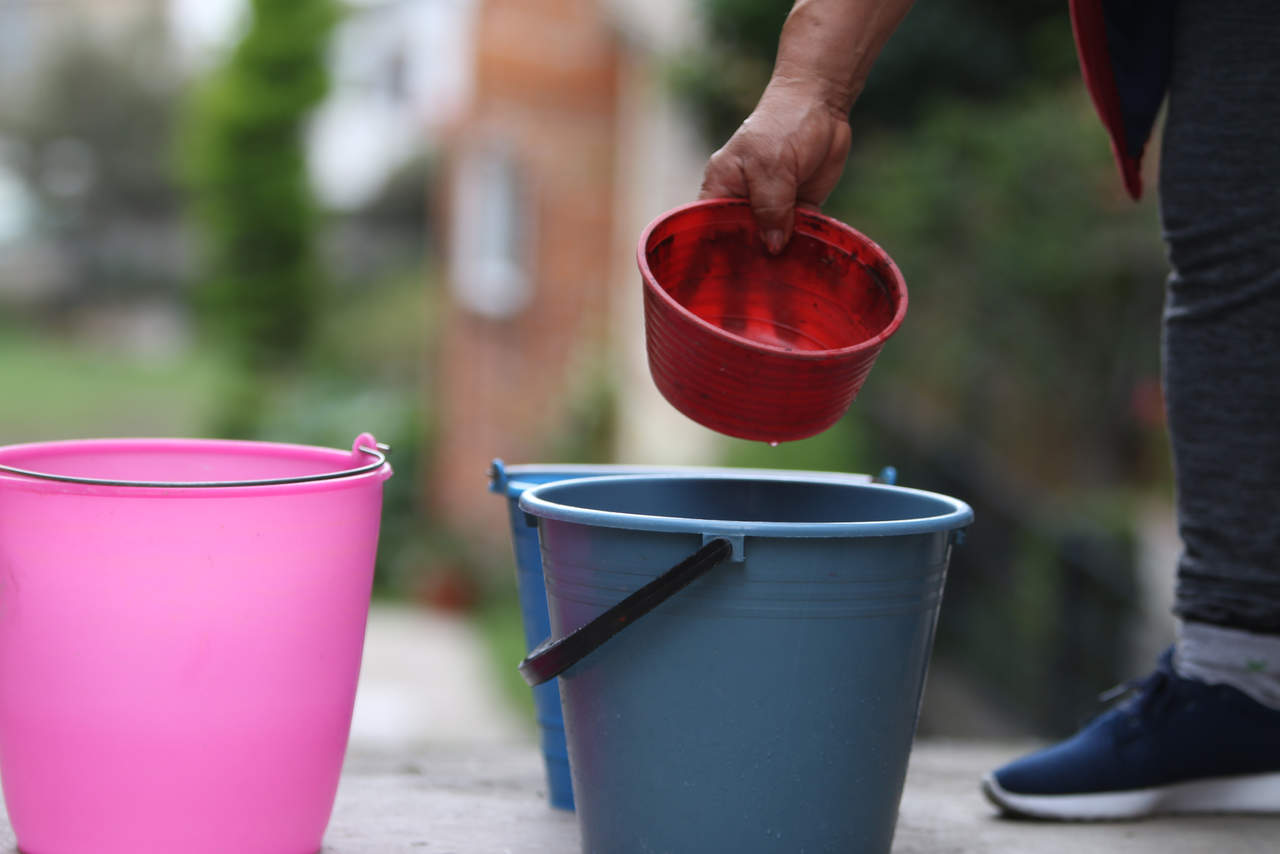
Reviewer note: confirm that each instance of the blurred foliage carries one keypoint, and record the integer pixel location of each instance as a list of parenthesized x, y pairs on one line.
[(326, 345), (1035, 285), (364, 372), (843, 448), (1034, 326), (587, 432), (967, 50), (242, 152), (1023, 378)]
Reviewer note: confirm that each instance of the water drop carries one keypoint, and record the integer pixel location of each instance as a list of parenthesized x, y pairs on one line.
[(773, 443)]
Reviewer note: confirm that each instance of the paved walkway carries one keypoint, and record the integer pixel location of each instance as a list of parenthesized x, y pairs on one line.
[(426, 679), (488, 800), (438, 763)]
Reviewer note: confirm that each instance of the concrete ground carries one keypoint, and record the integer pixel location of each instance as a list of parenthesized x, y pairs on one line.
[(438, 762), (487, 799), (444, 764), (426, 679)]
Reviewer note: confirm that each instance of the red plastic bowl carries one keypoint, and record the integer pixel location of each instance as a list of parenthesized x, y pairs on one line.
[(760, 346)]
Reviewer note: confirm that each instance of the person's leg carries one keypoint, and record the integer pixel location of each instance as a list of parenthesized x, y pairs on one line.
[(1220, 203), (1210, 742)]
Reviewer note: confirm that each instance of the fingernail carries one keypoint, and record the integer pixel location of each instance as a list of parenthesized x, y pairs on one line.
[(773, 240)]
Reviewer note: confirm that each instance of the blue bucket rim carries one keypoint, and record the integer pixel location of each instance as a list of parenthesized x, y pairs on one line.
[(534, 502), (508, 479)]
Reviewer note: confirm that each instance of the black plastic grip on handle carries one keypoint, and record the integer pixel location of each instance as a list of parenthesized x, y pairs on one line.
[(554, 656)]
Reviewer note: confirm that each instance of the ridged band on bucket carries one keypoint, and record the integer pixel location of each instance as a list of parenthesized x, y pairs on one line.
[(764, 347)]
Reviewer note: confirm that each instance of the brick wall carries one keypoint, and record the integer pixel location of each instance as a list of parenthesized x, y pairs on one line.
[(546, 94)]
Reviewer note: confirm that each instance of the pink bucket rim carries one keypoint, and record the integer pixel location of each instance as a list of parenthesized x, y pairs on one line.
[(366, 449), (896, 284)]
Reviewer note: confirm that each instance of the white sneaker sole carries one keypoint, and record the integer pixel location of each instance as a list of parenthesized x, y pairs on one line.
[(1246, 793)]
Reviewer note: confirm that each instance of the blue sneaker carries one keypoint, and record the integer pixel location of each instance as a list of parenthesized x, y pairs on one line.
[(1174, 745)]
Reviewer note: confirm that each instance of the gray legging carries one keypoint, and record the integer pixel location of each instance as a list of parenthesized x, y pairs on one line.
[(1220, 204)]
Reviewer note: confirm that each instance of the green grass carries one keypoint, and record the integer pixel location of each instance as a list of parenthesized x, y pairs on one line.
[(381, 332), (55, 388), (370, 354)]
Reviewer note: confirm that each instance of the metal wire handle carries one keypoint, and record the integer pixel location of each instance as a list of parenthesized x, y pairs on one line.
[(378, 452)]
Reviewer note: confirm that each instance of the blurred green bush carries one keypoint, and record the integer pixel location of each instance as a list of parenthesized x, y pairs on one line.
[(243, 157), (969, 50), (1032, 338)]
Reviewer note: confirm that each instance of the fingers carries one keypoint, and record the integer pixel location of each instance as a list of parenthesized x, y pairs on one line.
[(813, 191), (787, 152), (773, 201), (742, 170)]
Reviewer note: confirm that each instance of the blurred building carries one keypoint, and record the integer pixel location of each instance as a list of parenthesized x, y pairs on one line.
[(31, 29), (58, 229), (399, 72), (571, 144)]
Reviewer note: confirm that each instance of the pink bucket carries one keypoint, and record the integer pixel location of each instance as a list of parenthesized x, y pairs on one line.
[(181, 623)]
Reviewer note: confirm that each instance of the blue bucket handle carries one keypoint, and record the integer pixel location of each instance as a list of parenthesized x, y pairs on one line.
[(498, 475), (556, 655)]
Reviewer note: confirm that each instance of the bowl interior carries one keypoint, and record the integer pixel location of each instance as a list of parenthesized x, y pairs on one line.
[(830, 289)]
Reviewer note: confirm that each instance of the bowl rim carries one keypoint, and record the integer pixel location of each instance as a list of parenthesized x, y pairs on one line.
[(896, 282)]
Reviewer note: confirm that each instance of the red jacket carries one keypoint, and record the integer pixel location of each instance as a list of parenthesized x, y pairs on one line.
[(1124, 48)]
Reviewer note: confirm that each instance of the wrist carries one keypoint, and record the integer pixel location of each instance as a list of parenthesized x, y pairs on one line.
[(809, 94), (803, 88)]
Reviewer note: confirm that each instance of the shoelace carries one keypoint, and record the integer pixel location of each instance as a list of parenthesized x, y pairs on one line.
[(1146, 697)]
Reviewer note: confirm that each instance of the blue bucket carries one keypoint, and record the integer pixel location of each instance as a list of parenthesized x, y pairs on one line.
[(512, 481), (770, 705)]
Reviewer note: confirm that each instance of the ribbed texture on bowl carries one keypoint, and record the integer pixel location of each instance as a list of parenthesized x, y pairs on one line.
[(761, 347)]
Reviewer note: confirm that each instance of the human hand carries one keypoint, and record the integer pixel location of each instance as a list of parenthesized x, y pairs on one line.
[(790, 151)]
